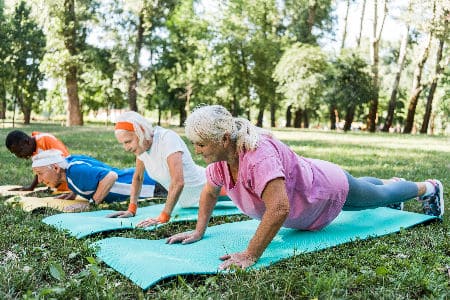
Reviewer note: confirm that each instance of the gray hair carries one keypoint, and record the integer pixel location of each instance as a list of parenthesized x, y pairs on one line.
[(212, 122), (142, 127)]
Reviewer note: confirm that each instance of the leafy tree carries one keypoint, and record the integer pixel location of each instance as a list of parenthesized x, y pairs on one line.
[(442, 34), (377, 29), (302, 16), (25, 56), (301, 75), (66, 25), (187, 35), (417, 84), (97, 87), (5, 69), (353, 85)]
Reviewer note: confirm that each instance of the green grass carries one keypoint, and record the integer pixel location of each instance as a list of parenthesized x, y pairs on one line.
[(37, 261)]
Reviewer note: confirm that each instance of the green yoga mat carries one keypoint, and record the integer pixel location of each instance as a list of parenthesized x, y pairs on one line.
[(83, 224), (145, 262)]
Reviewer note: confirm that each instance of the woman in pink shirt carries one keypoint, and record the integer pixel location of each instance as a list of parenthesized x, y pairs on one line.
[(270, 182)]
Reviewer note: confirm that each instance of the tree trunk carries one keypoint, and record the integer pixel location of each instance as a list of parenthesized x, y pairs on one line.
[(182, 109), (438, 71), (416, 88), (333, 117), (358, 40), (273, 109), (3, 104), (344, 34), (393, 100), (73, 105), (376, 35), (311, 17), (246, 84), (26, 115), (298, 118), (132, 84), (306, 118), (260, 119), (26, 110), (289, 116), (75, 117), (349, 116), (159, 115), (187, 105)]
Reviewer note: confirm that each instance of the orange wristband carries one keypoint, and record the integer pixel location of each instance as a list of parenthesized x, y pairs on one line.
[(132, 208), (163, 217)]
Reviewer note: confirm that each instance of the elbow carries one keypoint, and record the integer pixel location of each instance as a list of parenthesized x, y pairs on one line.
[(178, 184), (281, 211), (115, 176)]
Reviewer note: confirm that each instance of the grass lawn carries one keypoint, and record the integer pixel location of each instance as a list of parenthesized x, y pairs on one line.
[(37, 261)]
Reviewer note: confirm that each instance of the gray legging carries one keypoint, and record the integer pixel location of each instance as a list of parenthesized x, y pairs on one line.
[(369, 192)]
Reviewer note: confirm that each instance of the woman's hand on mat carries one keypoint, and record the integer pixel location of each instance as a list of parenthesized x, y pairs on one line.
[(184, 237), (148, 222), (121, 214), (241, 260), (67, 196)]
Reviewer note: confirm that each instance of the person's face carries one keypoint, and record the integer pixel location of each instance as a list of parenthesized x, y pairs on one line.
[(211, 151), (130, 142), (23, 150), (49, 175)]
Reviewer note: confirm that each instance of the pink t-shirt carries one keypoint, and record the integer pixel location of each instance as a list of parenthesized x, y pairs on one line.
[(316, 189)]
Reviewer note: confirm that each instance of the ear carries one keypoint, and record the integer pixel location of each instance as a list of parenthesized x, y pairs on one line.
[(226, 139), (56, 168)]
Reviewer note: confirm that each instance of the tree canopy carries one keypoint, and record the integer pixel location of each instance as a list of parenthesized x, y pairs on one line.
[(270, 61)]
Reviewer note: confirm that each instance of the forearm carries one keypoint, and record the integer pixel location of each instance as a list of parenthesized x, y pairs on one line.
[(277, 210), (266, 231), (135, 189), (104, 186), (174, 192), (208, 200), (34, 183)]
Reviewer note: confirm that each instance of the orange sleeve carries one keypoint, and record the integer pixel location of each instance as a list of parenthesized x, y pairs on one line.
[(46, 141)]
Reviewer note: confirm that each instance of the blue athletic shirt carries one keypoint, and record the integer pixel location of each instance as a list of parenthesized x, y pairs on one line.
[(84, 173)]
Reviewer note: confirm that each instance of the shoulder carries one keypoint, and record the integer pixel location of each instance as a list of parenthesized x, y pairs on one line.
[(166, 134)]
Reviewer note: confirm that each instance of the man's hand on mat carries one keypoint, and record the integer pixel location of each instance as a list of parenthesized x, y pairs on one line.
[(184, 238), (241, 260), (78, 207), (67, 196), (23, 188), (121, 214)]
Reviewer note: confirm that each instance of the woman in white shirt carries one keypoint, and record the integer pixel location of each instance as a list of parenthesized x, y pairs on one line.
[(162, 153)]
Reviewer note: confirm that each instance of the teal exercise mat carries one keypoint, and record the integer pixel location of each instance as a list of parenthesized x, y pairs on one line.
[(145, 262), (83, 224)]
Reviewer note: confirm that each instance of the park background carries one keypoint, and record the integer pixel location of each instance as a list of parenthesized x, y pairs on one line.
[(301, 68), (347, 64)]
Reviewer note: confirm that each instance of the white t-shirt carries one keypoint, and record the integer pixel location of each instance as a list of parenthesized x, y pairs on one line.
[(165, 143)]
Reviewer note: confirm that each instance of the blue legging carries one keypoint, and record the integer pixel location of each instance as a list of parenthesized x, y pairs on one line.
[(370, 192)]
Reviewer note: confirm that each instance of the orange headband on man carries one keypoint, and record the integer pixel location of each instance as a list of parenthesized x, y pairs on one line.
[(124, 126)]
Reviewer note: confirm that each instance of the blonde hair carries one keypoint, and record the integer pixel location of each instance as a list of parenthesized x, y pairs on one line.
[(142, 127), (212, 122)]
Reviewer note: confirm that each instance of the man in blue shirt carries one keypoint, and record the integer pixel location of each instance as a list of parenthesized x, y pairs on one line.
[(88, 177)]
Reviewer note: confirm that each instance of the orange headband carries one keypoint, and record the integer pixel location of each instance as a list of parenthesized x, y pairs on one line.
[(124, 126)]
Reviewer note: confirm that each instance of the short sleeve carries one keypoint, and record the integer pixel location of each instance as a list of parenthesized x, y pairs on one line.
[(215, 174), (264, 171), (170, 143)]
